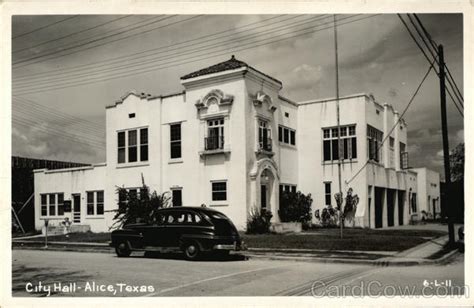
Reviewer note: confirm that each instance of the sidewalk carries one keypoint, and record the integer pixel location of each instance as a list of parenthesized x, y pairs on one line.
[(418, 255)]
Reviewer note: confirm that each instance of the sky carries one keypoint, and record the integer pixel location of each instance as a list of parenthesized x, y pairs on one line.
[(67, 68)]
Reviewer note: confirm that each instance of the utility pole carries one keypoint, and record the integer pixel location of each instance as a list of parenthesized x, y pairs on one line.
[(444, 128), (341, 222)]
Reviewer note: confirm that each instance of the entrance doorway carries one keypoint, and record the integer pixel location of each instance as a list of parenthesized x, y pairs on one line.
[(401, 205), (76, 199), (263, 196), (378, 207), (390, 207)]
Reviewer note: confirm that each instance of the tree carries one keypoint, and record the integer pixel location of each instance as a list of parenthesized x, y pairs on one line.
[(133, 208), (295, 207), (456, 159)]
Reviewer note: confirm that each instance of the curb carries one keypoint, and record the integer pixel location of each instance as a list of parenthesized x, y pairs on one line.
[(252, 252)]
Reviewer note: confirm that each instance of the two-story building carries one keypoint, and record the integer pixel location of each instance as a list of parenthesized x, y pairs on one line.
[(232, 142)]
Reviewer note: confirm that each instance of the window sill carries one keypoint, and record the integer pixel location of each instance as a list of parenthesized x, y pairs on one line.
[(334, 162), (52, 217), (175, 161), (95, 217), (131, 165), (213, 152), (219, 204), (287, 145)]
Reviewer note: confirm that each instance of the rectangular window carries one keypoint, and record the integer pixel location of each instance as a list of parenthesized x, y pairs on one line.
[(403, 156), (121, 147), (95, 202), (60, 204), (129, 148), (175, 140), (219, 191), (327, 193), (215, 135), (44, 205), (100, 202), (52, 205), (392, 152), (286, 135), (144, 144), (374, 142), (287, 188), (264, 136), (177, 197), (132, 146), (90, 203), (347, 148)]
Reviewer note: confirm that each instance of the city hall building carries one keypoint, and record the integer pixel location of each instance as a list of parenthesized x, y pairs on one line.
[(232, 142)]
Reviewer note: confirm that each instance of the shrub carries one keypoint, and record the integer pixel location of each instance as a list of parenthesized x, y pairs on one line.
[(259, 221), (133, 208), (295, 207)]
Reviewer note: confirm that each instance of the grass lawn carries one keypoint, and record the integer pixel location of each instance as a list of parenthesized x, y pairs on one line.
[(324, 239), (353, 239)]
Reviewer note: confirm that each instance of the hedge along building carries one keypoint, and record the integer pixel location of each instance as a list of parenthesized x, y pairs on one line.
[(230, 141)]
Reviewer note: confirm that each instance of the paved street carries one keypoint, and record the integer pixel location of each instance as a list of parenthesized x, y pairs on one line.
[(92, 274)]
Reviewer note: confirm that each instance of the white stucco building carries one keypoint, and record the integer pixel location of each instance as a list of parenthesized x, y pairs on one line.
[(429, 200), (232, 142)]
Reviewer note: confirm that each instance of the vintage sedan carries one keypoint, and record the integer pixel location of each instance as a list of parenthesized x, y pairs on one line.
[(192, 230)]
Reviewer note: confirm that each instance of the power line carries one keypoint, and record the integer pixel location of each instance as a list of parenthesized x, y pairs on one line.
[(429, 60), (44, 27), (71, 34), (207, 56), (55, 111), (434, 44), (433, 54), (105, 43), (122, 58), (395, 125), (174, 55), (69, 137), (37, 113)]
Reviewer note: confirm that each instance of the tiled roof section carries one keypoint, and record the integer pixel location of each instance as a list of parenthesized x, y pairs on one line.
[(231, 64)]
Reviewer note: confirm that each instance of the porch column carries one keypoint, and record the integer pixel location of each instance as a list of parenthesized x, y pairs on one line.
[(385, 208), (395, 208)]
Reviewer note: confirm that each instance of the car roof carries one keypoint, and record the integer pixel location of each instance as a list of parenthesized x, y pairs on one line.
[(190, 208)]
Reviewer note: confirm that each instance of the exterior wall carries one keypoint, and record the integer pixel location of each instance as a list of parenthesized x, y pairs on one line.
[(246, 96), (428, 182), (71, 181)]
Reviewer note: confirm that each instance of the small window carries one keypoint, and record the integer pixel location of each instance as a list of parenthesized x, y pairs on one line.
[(175, 140), (219, 191), (60, 204), (131, 115), (52, 205), (287, 114), (121, 147), (292, 137), (280, 133), (177, 197), (100, 202), (132, 146), (44, 205), (90, 203), (327, 193), (286, 135), (144, 144)]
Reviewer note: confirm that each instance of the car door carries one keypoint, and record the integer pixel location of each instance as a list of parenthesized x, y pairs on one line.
[(154, 234)]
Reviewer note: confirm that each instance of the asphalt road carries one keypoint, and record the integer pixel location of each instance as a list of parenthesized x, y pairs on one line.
[(102, 274)]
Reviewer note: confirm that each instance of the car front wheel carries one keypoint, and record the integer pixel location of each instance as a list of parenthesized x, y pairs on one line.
[(123, 250), (192, 250)]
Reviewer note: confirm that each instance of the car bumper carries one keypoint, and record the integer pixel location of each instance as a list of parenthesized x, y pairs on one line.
[(235, 246)]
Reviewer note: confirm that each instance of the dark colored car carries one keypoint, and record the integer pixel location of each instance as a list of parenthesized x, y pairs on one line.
[(192, 230)]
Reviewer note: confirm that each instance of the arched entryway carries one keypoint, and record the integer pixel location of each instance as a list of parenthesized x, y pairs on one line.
[(264, 187)]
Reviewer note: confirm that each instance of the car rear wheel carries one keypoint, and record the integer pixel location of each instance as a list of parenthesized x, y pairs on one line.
[(123, 250), (192, 250)]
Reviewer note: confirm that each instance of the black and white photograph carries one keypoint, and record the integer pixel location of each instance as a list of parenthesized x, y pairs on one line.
[(214, 154)]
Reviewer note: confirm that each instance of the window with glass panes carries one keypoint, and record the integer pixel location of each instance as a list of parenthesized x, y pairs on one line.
[(52, 204), (219, 191), (264, 135), (287, 188), (348, 143), (327, 193), (132, 145), (95, 202), (215, 134), (286, 135), (177, 197), (175, 140), (374, 143)]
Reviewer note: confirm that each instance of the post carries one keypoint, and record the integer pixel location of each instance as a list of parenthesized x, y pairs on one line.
[(444, 128), (341, 220), (46, 222)]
